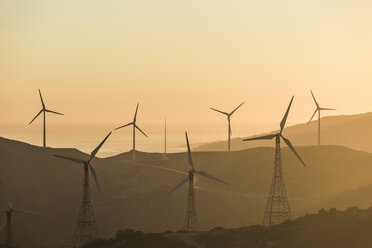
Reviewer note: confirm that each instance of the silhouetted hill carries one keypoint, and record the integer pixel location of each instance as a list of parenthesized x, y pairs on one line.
[(344, 130), (326, 229), (134, 194), (342, 200)]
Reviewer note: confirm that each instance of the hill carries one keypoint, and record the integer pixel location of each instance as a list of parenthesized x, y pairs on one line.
[(352, 131), (326, 229), (134, 193)]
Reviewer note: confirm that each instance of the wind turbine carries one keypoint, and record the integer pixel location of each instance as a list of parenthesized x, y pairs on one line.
[(43, 110), (229, 133), (277, 207), (8, 219), (86, 226), (165, 139), (133, 123), (318, 109), (191, 223)]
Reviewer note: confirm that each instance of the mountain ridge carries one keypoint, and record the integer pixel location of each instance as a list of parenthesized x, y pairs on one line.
[(346, 130)]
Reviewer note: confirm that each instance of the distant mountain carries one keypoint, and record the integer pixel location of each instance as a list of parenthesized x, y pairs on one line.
[(326, 229), (353, 131), (134, 194)]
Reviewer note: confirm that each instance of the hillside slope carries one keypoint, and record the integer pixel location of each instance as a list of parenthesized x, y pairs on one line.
[(326, 229), (352, 131), (134, 194)]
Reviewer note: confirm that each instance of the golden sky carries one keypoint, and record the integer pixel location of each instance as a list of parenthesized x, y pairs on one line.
[(94, 60)]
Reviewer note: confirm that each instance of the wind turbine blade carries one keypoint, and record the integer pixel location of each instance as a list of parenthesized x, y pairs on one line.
[(3, 225), (316, 110), (94, 152), (25, 212), (236, 108), (282, 123), (41, 98), (205, 174), (266, 137), (293, 149), (135, 114), (191, 162), (154, 166), (230, 132), (179, 185), (76, 160), (50, 111), (219, 111), (314, 99), (327, 109), (36, 116), (8, 202), (124, 125), (95, 178), (140, 130)]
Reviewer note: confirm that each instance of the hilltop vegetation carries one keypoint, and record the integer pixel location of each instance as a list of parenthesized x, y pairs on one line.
[(326, 229)]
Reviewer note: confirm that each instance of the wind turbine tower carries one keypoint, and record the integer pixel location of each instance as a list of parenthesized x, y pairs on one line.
[(165, 140), (8, 218), (191, 223), (228, 115), (43, 110), (86, 226), (277, 207), (133, 123), (318, 109)]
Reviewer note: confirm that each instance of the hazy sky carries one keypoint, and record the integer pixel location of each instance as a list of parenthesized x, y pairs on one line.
[(94, 60)]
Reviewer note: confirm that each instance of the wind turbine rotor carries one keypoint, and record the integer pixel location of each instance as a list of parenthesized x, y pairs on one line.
[(316, 103), (131, 123), (25, 212), (184, 180), (140, 130), (94, 152), (135, 114), (36, 116), (316, 110), (191, 162), (326, 109), (232, 112), (284, 120), (192, 171), (289, 144), (7, 200), (53, 112), (76, 160), (41, 98), (265, 137), (219, 111), (205, 174), (87, 162), (93, 171)]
